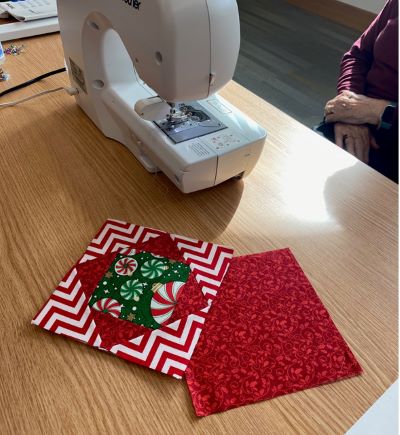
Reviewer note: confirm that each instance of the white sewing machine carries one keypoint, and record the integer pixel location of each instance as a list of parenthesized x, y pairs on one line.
[(148, 72)]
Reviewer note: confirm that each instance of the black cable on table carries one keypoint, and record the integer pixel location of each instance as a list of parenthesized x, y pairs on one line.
[(31, 82)]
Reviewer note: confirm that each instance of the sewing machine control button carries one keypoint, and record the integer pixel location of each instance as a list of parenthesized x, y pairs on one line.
[(219, 106), (225, 141)]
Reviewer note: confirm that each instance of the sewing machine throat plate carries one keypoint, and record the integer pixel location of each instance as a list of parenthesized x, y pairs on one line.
[(196, 123)]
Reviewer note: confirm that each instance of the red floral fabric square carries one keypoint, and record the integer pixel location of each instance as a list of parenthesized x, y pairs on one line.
[(267, 334)]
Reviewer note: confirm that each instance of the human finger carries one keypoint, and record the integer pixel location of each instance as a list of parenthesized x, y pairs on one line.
[(366, 149), (328, 107), (338, 112), (365, 134), (373, 142), (337, 116), (339, 138), (345, 104), (350, 145), (359, 147), (330, 117)]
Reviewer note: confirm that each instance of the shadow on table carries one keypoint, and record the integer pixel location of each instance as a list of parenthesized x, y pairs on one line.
[(356, 189), (99, 178)]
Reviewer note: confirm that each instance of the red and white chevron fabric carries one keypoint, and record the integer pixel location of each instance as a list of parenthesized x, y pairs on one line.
[(209, 262), (67, 312), (116, 235), (168, 349)]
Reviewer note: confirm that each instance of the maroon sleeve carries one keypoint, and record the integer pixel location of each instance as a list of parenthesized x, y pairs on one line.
[(357, 61)]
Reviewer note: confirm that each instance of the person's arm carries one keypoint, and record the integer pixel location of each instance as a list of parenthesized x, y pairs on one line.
[(357, 61)]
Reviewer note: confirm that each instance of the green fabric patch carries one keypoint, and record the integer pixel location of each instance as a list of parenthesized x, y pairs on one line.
[(127, 289)]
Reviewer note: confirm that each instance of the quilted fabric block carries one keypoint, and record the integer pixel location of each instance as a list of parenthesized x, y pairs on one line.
[(139, 293)]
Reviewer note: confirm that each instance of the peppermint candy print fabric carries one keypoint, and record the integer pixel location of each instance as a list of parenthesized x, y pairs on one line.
[(267, 334), (141, 288)]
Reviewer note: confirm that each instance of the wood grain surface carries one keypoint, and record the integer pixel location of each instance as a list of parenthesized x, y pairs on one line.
[(60, 179), (291, 57), (337, 11)]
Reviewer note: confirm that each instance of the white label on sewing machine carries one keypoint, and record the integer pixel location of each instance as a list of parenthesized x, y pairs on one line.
[(78, 75), (199, 149), (219, 106)]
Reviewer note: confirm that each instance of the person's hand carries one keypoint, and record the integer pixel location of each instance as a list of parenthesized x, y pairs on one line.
[(354, 108), (356, 139)]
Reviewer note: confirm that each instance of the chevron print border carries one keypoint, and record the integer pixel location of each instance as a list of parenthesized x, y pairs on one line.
[(209, 262), (67, 312), (168, 349), (115, 235)]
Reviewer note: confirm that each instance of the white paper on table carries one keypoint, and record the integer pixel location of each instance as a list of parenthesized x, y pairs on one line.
[(29, 10), (382, 417)]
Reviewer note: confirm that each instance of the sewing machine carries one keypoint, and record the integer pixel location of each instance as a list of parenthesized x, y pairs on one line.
[(148, 72)]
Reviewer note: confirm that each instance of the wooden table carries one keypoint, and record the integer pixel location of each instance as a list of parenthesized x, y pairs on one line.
[(60, 179)]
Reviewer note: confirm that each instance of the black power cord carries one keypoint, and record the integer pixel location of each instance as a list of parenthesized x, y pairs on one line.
[(31, 82)]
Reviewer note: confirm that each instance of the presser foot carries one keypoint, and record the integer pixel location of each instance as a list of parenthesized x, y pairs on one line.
[(189, 121)]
